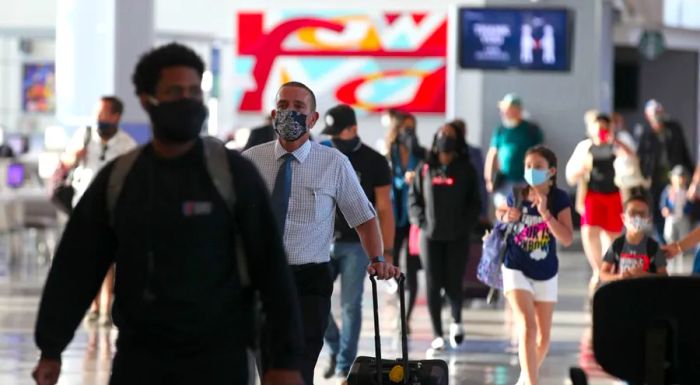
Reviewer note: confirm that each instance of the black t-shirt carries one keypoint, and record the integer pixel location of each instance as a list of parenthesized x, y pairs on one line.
[(603, 172), (373, 171), (177, 284)]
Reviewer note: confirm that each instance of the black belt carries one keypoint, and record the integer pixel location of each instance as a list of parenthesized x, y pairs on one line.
[(306, 266)]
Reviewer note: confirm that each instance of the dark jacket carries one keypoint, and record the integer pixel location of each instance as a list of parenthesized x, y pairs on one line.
[(649, 152), (177, 286), (477, 160), (260, 135), (445, 203)]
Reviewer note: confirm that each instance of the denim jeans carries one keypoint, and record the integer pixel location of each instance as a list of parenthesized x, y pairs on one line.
[(696, 262), (348, 260)]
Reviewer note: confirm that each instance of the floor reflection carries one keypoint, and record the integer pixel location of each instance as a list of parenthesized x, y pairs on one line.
[(486, 357)]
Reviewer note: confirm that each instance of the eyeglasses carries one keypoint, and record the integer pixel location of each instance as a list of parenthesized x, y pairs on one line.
[(103, 155)]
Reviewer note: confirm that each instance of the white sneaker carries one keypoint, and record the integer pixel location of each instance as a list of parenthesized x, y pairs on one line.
[(438, 344), (456, 334), (341, 380)]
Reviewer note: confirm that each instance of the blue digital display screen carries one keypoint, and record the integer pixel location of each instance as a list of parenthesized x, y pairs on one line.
[(501, 38)]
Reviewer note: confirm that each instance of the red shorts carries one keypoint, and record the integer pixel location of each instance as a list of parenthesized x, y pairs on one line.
[(603, 210)]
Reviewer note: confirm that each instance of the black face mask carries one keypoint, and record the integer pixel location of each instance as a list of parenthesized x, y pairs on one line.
[(408, 138), (178, 121), (446, 144), (347, 146), (106, 129)]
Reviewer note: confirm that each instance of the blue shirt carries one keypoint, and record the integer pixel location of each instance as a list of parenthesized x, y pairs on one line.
[(532, 248)]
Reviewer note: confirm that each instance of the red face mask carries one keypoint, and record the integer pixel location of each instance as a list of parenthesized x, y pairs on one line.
[(604, 135)]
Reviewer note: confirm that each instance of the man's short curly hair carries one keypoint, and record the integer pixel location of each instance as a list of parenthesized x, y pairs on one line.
[(151, 63)]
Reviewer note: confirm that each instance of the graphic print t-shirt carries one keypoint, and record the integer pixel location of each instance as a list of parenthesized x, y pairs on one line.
[(532, 248), (635, 256)]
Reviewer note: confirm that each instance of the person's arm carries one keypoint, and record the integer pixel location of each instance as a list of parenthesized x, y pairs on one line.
[(607, 272), (268, 267), (371, 241), (478, 163), (676, 248), (75, 150), (622, 147), (361, 215), (576, 167), (686, 158), (385, 212), (382, 181), (508, 214), (490, 167), (560, 226), (694, 183), (84, 255), (416, 199), (472, 197), (663, 203)]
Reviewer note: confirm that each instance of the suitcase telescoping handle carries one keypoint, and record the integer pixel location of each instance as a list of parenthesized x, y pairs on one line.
[(404, 335)]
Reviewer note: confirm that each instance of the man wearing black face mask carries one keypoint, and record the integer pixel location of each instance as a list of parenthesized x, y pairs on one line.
[(92, 150), (348, 259), (89, 151), (189, 257), (307, 181)]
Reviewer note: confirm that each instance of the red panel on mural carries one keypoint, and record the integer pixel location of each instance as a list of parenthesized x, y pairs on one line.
[(389, 53)]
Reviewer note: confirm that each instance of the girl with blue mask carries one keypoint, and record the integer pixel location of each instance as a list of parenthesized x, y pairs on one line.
[(540, 218)]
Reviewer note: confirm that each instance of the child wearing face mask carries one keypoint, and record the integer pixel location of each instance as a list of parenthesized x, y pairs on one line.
[(531, 265), (676, 208), (634, 254)]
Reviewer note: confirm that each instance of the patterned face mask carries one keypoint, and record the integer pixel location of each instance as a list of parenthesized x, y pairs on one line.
[(290, 125), (637, 223)]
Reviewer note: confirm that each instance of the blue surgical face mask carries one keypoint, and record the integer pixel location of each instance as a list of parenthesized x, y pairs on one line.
[(535, 176)]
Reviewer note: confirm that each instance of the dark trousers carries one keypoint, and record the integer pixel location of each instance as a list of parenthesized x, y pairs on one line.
[(658, 219), (145, 366), (413, 264), (314, 288), (444, 263)]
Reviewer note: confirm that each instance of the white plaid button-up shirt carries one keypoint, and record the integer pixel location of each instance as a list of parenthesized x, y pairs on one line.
[(322, 178)]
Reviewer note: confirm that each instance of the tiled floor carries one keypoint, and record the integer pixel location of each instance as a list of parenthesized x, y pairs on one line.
[(482, 359)]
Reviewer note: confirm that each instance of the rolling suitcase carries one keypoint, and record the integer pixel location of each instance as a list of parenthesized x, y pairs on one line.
[(376, 371)]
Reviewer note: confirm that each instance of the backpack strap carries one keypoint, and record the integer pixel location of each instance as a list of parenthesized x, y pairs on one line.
[(617, 246), (219, 169), (216, 159), (652, 250), (122, 167)]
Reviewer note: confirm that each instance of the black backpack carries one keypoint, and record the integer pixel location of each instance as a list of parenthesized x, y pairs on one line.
[(652, 249)]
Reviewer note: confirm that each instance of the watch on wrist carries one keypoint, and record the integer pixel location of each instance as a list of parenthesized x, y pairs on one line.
[(379, 259)]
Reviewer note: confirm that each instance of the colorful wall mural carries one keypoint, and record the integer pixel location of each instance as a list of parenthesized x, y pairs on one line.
[(370, 60)]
